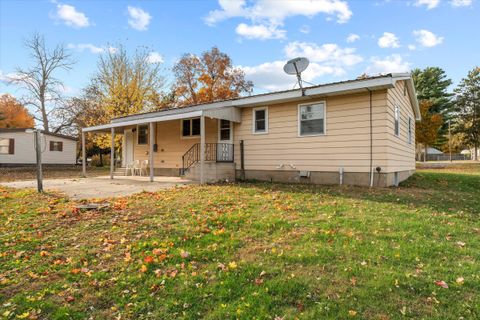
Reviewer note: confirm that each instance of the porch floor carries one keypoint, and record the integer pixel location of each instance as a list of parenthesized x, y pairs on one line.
[(103, 186)]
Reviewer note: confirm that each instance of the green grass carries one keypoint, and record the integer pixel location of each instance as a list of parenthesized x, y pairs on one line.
[(248, 251)]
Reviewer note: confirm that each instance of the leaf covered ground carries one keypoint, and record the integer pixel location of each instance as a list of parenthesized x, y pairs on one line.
[(247, 251)]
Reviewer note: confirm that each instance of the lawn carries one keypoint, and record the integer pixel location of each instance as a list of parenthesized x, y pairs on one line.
[(248, 251), (49, 172)]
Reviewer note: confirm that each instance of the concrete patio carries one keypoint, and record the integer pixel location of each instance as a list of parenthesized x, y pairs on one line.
[(102, 186)]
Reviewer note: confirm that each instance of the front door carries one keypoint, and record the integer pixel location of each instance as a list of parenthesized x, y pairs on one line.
[(225, 140), (128, 147)]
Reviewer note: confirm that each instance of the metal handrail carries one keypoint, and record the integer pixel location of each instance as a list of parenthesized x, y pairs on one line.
[(212, 153)]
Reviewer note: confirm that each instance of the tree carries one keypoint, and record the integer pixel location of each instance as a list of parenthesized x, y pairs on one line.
[(44, 92), (123, 85), (467, 109), (432, 84), (426, 131), (13, 114), (210, 77)]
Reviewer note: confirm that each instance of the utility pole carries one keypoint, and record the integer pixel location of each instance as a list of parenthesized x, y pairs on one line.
[(38, 153)]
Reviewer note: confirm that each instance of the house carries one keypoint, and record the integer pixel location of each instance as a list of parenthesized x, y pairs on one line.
[(358, 132), (17, 148)]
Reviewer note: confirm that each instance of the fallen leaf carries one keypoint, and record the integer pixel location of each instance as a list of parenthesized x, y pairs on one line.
[(143, 268), (442, 284), (148, 259), (232, 265), (460, 280), (352, 313)]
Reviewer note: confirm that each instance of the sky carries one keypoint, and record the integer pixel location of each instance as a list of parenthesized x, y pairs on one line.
[(342, 39)]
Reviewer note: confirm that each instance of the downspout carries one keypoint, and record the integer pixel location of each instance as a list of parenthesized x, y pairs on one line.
[(371, 139)]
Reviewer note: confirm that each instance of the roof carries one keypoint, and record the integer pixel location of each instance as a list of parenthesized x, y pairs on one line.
[(329, 89), (58, 135)]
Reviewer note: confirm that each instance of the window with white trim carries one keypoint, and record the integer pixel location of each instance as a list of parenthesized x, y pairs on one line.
[(311, 119), (56, 146), (225, 133), (397, 120), (191, 127), (260, 120), (142, 134), (409, 130)]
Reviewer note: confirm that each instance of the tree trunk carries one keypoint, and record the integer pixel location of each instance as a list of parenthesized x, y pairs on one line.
[(425, 153), (476, 152), (101, 159)]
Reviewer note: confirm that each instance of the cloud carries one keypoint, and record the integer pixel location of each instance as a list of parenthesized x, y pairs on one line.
[(388, 40), (430, 4), (461, 3), (269, 15), (412, 47), (329, 53), (71, 17), (352, 37), (154, 57), (270, 76), (325, 59), (90, 47), (427, 38), (389, 64), (261, 32), (138, 18)]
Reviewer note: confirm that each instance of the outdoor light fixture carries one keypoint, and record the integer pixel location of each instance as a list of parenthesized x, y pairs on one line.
[(38, 153)]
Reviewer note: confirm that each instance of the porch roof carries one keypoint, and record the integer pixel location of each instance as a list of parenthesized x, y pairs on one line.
[(231, 114)]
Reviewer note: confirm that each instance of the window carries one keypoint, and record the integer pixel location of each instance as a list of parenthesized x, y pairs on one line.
[(142, 134), (397, 120), (7, 146), (311, 119), (409, 130), (56, 146), (224, 130), (191, 127), (260, 120)]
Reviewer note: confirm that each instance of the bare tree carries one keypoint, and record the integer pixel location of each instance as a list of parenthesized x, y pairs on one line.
[(44, 92)]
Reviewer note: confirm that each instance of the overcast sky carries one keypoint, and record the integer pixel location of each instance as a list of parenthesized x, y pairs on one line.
[(342, 39)]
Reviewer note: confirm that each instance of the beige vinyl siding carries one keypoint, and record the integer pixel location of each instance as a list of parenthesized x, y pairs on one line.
[(346, 142), (171, 145), (401, 154)]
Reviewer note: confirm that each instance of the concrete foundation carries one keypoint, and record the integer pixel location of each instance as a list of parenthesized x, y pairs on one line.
[(328, 178), (214, 172)]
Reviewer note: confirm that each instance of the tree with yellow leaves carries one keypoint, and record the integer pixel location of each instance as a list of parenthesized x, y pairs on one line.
[(426, 131)]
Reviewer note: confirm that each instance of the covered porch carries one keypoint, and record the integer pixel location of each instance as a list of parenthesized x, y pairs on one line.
[(196, 144)]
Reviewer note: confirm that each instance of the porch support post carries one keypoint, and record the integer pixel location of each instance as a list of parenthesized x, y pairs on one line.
[(150, 152), (202, 148), (84, 159), (112, 152)]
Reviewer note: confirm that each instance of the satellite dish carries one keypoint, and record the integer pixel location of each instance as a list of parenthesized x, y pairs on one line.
[(295, 67)]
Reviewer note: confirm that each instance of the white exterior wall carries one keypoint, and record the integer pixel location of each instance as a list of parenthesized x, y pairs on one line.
[(25, 151)]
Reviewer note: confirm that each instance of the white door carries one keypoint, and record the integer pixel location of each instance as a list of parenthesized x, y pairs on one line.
[(128, 147), (225, 140)]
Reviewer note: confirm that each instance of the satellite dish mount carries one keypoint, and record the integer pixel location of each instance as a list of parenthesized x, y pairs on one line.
[(295, 67)]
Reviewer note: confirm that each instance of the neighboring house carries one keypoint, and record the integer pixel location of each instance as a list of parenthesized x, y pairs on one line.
[(17, 148), (333, 133)]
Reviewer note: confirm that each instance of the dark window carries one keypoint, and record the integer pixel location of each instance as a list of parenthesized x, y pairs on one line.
[(191, 127), (224, 130), (186, 128), (56, 146), (312, 119), (196, 127), (260, 120), (142, 134), (7, 146)]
